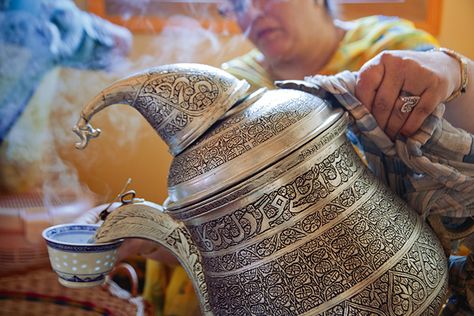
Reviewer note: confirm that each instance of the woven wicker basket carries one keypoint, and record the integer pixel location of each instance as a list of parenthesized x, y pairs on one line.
[(39, 293), (22, 219)]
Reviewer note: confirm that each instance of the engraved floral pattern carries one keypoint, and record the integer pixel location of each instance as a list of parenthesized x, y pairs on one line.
[(172, 101), (288, 201), (330, 231), (236, 136), (302, 280)]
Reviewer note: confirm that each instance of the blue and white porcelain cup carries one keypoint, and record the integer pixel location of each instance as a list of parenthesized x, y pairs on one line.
[(78, 261)]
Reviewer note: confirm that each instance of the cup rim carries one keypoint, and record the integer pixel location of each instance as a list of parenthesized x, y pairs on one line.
[(50, 240)]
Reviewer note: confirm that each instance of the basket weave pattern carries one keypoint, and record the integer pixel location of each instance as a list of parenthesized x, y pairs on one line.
[(39, 293)]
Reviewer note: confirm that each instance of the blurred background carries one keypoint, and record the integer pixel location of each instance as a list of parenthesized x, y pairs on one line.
[(56, 55), (172, 33), (44, 179), (168, 32)]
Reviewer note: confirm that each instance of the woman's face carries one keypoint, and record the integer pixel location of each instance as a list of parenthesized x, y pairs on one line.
[(281, 29)]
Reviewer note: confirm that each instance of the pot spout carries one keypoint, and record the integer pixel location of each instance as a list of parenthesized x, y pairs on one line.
[(121, 92), (147, 220), (180, 101)]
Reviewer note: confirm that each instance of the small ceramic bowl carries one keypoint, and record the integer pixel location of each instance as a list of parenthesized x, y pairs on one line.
[(77, 260)]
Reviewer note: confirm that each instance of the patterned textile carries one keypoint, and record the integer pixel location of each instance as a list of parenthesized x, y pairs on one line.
[(38, 292), (432, 170), (461, 269), (371, 35), (18, 303), (366, 38)]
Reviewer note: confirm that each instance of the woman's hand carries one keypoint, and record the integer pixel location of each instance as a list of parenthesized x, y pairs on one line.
[(432, 76)]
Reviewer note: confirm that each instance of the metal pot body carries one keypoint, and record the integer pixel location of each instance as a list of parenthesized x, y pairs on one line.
[(317, 233), (270, 209)]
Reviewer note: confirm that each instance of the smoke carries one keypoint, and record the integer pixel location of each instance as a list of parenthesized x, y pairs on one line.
[(182, 39), (38, 156)]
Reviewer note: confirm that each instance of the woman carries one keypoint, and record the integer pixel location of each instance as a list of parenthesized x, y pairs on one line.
[(297, 38), (301, 37)]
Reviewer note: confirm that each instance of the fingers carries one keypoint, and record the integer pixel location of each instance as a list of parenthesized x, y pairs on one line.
[(398, 116), (400, 113), (418, 82), (387, 93), (384, 78), (379, 84), (368, 81)]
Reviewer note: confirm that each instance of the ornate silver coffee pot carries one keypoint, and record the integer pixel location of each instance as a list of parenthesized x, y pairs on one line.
[(270, 210)]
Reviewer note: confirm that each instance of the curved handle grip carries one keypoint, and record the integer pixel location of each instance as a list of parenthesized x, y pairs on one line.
[(131, 273), (147, 220)]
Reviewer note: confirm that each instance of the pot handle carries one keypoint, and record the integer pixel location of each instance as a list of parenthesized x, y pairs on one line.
[(147, 220)]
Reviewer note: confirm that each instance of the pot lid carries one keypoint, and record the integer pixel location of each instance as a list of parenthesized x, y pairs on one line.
[(242, 144), (192, 97)]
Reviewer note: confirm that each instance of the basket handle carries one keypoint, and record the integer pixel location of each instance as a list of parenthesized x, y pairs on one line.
[(131, 273)]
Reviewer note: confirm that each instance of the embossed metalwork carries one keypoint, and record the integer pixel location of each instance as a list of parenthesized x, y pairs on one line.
[(180, 101), (148, 221), (273, 213), (287, 202), (275, 125), (315, 279), (222, 201), (323, 238)]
